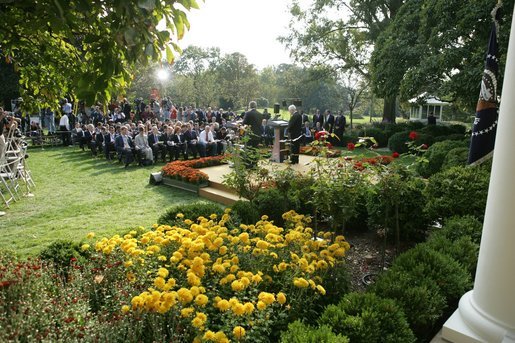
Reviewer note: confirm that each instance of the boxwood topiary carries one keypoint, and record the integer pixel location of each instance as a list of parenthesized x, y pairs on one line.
[(451, 137), (419, 298), (463, 250), (245, 212), (435, 156), (456, 157), (190, 211), (365, 317), (300, 333), (273, 203), (378, 134), (459, 226), (437, 130), (458, 128), (397, 141), (457, 191)]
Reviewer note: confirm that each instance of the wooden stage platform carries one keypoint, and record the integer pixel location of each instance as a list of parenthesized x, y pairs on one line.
[(220, 193)]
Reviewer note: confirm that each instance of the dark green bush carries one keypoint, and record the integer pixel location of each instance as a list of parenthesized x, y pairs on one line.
[(456, 157), (348, 138), (379, 135), (389, 129), (273, 203), (367, 318), (360, 221), (420, 299), (300, 333), (452, 137), (408, 194), (414, 125), (457, 191), (299, 192), (190, 211), (245, 212), (463, 250), (397, 141), (60, 253), (436, 156), (458, 129), (437, 130), (422, 262), (456, 227)]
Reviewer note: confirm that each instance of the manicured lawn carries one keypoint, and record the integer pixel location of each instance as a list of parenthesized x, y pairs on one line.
[(76, 194)]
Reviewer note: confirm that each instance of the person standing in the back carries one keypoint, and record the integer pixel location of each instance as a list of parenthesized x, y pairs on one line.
[(253, 119), (295, 132)]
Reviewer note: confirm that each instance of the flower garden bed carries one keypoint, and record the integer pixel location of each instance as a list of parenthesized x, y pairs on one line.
[(185, 174)]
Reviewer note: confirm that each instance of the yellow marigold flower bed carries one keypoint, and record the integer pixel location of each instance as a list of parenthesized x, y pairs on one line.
[(211, 275)]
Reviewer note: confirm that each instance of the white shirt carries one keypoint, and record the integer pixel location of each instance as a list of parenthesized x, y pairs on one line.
[(64, 121), (67, 108), (202, 137)]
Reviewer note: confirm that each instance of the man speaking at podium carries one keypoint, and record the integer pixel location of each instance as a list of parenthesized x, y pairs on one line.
[(253, 119), (295, 131)]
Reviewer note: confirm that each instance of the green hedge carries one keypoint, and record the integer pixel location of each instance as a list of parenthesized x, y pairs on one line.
[(367, 318), (397, 141), (435, 156), (456, 157), (301, 333), (379, 135), (245, 212), (273, 203), (457, 191)]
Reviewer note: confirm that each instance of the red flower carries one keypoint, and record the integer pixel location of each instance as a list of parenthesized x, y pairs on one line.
[(348, 158), (351, 146), (329, 146), (395, 154), (413, 135), (424, 146), (321, 135)]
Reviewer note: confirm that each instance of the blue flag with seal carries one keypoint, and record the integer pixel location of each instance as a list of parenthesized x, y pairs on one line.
[(485, 124)]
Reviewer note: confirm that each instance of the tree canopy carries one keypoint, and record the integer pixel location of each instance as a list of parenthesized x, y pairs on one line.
[(86, 48)]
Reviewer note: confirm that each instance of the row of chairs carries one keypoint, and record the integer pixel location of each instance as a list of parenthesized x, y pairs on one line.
[(14, 170)]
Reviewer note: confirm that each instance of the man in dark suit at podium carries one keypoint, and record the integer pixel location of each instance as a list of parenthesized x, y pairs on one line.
[(295, 131), (253, 119)]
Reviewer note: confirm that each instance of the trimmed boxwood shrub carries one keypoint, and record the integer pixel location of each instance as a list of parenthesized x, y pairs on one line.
[(245, 212), (347, 138), (299, 192), (414, 125), (190, 211), (60, 255), (367, 318), (379, 135), (273, 203), (436, 155), (300, 333), (456, 227), (422, 262), (458, 128), (452, 137), (457, 191), (397, 141), (437, 130), (420, 299), (463, 250), (456, 157), (413, 221)]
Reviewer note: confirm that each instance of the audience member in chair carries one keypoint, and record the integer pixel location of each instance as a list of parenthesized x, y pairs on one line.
[(124, 146), (154, 142), (207, 142), (168, 144), (78, 136), (141, 145), (90, 139), (109, 142), (191, 138)]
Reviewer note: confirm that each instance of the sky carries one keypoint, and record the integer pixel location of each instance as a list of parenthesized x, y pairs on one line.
[(250, 27)]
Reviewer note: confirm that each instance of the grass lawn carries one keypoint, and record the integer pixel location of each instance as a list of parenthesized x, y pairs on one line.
[(76, 194)]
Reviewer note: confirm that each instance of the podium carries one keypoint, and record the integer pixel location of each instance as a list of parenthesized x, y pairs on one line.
[(278, 148)]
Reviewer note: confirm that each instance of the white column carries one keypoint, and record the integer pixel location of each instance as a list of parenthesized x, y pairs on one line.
[(487, 313)]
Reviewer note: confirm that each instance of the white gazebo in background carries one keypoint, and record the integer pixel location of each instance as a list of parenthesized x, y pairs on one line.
[(425, 104)]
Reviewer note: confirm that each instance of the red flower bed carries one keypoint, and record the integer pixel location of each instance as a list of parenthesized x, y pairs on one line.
[(315, 150), (187, 170), (362, 163)]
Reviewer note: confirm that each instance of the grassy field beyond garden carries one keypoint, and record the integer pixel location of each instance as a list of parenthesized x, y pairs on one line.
[(76, 194)]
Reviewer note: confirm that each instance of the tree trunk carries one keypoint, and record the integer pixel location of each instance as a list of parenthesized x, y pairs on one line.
[(350, 116), (390, 103)]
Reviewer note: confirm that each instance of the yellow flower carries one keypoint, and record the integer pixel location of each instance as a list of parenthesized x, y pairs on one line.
[(267, 298), (261, 305), (128, 263), (85, 247), (237, 285), (162, 258), (125, 308), (238, 309), (249, 307), (188, 222), (187, 312), (180, 215), (185, 295), (219, 268), (209, 336), (222, 250), (321, 289), (300, 282), (257, 278), (213, 216), (220, 337), (199, 320), (238, 332), (159, 282), (201, 300), (223, 305), (281, 298), (162, 272), (262, 244), (90, 235), (131, 277)]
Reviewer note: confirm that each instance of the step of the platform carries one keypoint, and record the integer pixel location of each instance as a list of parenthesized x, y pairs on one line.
[(219, 195), (221, 186)]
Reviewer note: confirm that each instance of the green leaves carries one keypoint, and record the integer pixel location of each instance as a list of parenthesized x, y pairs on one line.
[(149, 5)]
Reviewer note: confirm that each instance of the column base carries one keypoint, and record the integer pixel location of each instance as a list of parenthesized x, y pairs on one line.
[(468, 324)]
